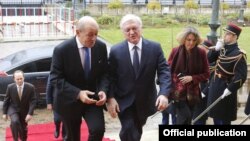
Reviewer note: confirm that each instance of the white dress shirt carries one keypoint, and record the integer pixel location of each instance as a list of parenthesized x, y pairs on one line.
[(131, 50), (82, 52)]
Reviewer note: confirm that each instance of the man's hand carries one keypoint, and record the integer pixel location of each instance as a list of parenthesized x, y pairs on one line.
[(225, 93), (102, 98), (49, 106), (83, 95), (113, 107), (28, 118), (5, 117), (161, 103)]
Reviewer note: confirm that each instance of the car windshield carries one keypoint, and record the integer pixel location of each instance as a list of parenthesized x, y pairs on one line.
[(11, 60), (32, 56), (24, 56)]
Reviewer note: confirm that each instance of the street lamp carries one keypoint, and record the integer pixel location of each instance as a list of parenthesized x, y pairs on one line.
[(241, 15), (101, 7), (214, 22)]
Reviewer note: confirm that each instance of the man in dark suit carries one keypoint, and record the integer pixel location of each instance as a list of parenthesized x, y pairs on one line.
[(134, 64), (50, 94), (19, 104), (78, 74)]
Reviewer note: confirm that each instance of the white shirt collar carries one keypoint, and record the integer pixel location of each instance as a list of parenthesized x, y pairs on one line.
[(79, 44), (131, 45)]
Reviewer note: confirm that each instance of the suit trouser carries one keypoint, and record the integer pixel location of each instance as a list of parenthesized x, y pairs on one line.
[(58, 121), (131, 125), (18, 127), (221, 122), (94, 117), (170, 111)]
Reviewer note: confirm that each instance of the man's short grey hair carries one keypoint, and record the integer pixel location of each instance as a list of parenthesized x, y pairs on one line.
[(130, 18), (86, 21)]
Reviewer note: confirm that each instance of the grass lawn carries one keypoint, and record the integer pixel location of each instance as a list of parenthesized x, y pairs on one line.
[(167, 37)]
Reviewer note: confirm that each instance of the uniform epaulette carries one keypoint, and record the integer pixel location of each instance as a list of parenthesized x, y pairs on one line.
[(243, 51)]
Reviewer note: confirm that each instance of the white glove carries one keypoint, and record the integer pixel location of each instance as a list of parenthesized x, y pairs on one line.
[(219, 44), (202, 95), (225, 93)]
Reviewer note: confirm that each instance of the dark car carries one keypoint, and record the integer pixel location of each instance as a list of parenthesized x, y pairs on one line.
[(35, 63)]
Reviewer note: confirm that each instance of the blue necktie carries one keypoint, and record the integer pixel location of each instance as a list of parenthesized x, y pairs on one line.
[(86, 62), (136, 63)]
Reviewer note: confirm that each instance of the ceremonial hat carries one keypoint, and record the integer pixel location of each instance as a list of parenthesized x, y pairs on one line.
[(234, 29)]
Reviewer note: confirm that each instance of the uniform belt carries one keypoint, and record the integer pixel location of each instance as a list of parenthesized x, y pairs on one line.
[(219, 75)]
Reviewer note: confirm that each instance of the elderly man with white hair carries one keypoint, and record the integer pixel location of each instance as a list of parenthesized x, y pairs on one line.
[(134, 64)]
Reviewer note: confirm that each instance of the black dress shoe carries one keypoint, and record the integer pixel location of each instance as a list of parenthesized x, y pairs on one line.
[(56, 134)]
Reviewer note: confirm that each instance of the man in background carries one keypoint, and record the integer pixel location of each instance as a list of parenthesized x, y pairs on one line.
[(19, 104), (50, 95)]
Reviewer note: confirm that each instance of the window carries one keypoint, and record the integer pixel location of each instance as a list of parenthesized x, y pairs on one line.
[(36, 66), (43, 65)]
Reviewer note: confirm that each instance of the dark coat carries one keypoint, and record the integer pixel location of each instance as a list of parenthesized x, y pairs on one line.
[(204, 86), (13, 104), (247, 108), (197, 77), (226, 109), (127, 88), (67, 75)]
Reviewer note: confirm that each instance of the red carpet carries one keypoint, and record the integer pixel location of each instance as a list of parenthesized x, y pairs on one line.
[(45, 132)]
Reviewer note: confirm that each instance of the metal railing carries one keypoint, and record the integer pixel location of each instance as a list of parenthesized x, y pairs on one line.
[(25, 23), (167, 2)]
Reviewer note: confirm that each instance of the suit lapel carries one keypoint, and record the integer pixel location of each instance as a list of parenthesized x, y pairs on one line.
[(127, 57), (24, 91), (16, 95), (76, 59), (144, 56), (94, 59)]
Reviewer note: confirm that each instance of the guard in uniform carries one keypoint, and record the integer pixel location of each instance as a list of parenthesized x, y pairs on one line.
[(230, 74), (202, 105)]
